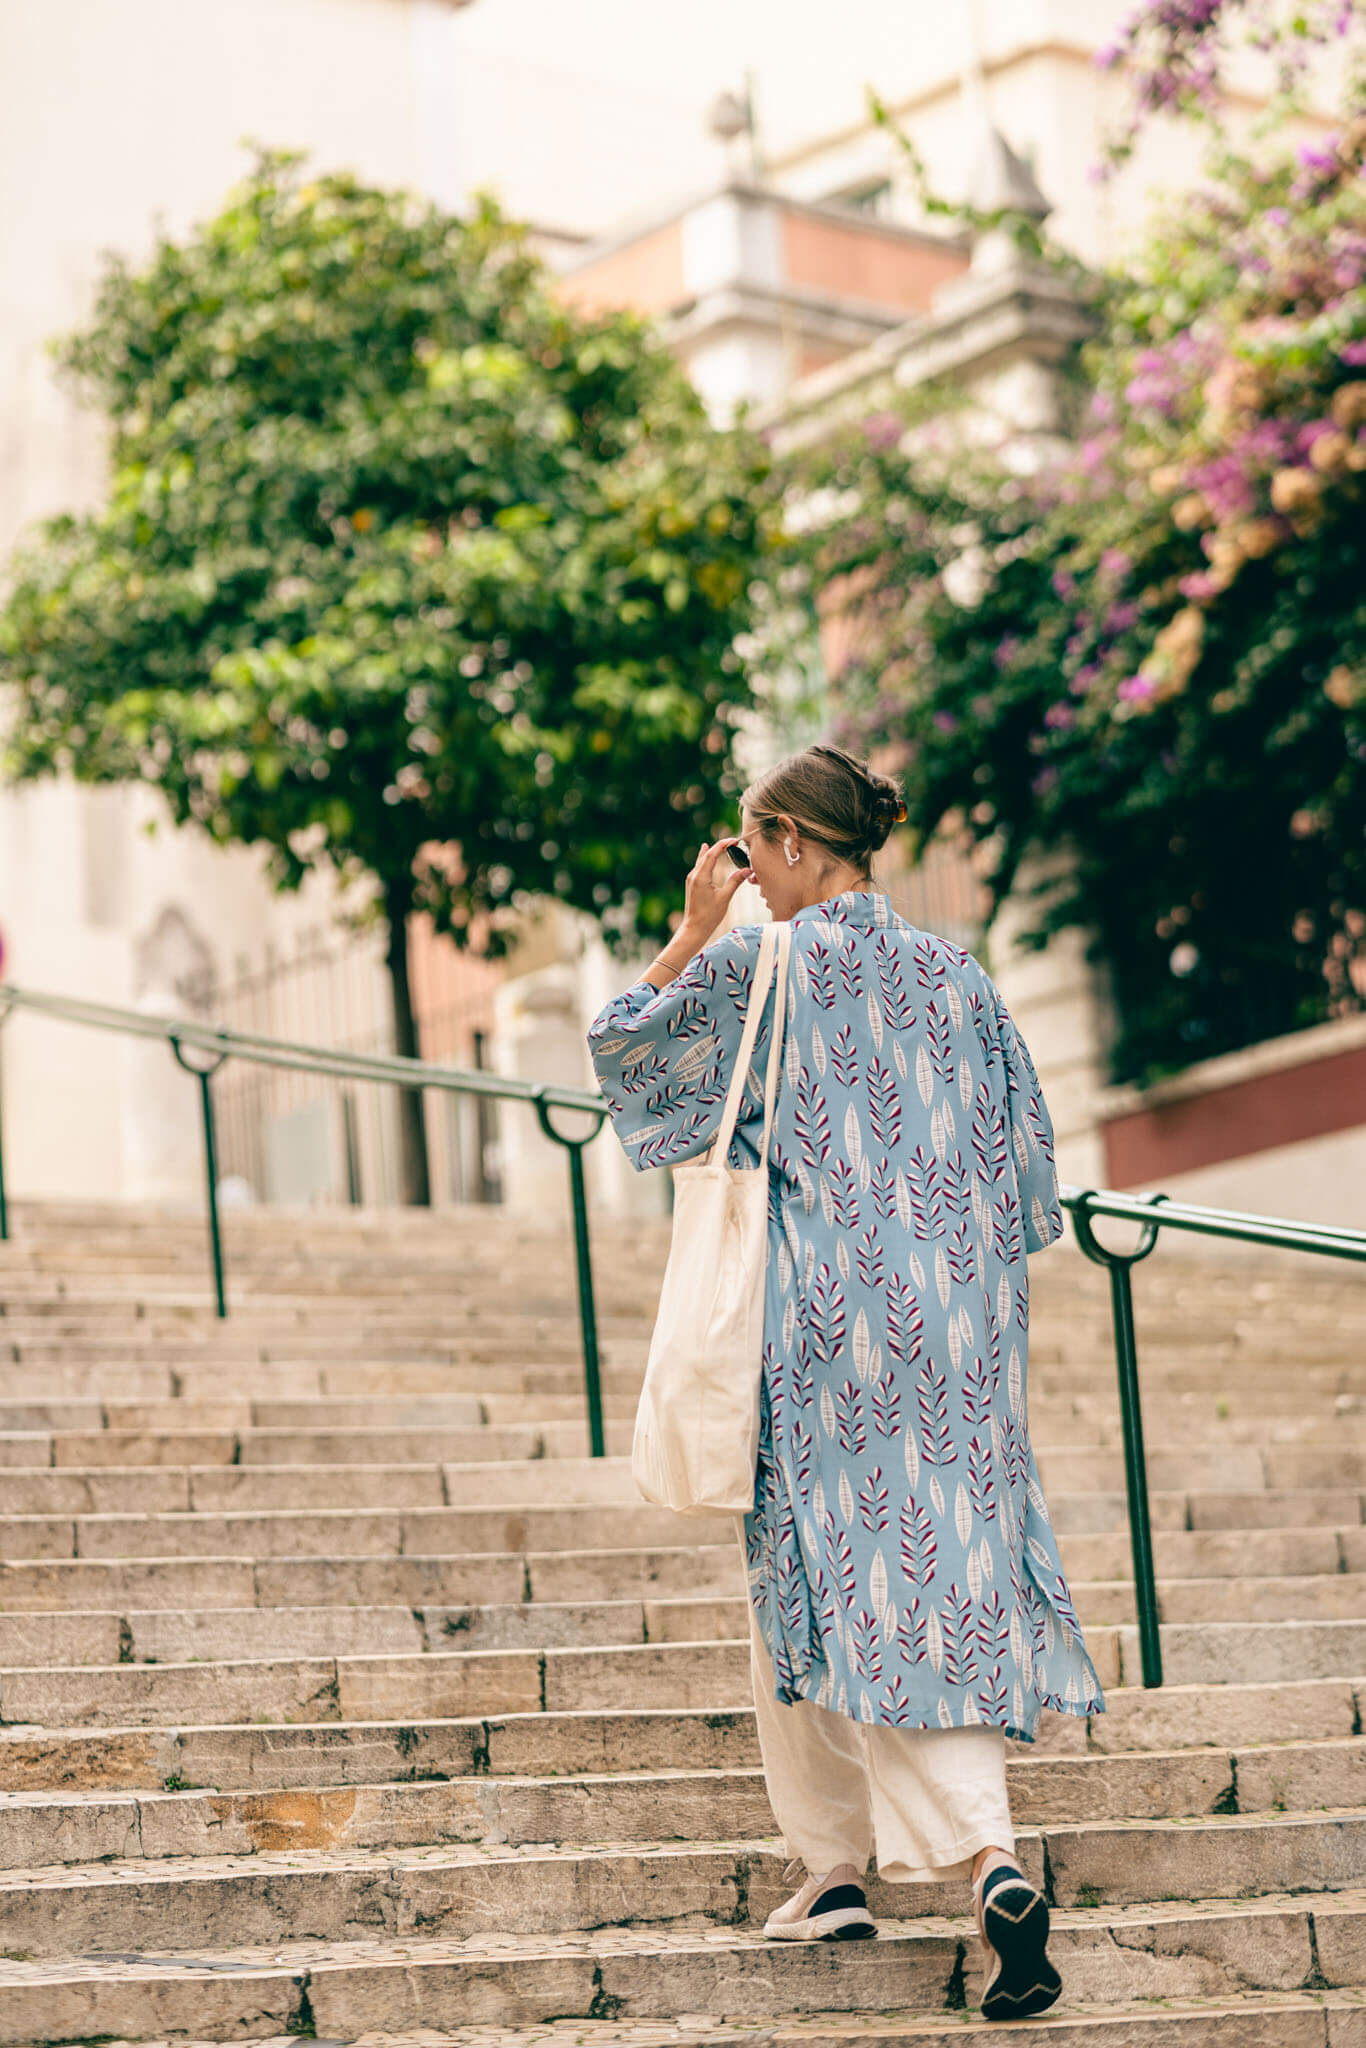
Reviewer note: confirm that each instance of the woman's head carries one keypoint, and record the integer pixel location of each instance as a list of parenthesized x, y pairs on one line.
[(812, 824)]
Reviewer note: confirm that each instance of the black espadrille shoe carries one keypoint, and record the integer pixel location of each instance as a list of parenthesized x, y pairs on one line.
[(1012, 1918)]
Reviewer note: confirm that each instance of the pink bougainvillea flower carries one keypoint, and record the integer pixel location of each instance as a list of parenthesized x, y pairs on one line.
[(883, 429)]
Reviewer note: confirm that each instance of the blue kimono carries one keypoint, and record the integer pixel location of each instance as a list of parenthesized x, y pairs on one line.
[(902, 1565)]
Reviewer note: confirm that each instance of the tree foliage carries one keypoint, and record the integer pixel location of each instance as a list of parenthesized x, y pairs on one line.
[(406, 569), (1152, 654)]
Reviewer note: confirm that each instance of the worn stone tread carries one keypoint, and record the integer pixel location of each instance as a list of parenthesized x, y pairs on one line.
[(708, 1984), (663, 1802)]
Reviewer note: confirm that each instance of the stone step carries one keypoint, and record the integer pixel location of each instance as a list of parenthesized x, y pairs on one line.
[(421, 1443), (319, 1988), (349, 1532), (98, 1585), (263, 1631), (43, 1828), (694, 1672), (1078, 1467), (82, 1428), (215, 1489), (1220, 1472), (1209, 1560), (284, 1379), (1258, 1724), (1209, 1651), (375, 1687), (454, 1531), (604, 1574), (466, 1891), (1226, 1976)]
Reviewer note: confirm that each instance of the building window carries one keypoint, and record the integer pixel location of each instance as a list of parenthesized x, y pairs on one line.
[(871, 196)]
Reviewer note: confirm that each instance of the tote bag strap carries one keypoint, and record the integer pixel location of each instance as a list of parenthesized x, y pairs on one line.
[(775, 1048), (774, 944)]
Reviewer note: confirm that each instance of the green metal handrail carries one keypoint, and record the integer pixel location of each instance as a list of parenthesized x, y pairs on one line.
[(217, 1045), (1155, 1213)]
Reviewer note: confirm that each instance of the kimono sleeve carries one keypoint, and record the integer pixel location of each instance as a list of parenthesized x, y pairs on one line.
[(1031, 1137), (664, 1057)]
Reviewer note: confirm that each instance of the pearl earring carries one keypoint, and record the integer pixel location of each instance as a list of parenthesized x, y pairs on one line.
[(792, 858)]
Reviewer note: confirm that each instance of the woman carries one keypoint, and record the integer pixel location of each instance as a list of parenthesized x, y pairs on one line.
[(908, 1608)]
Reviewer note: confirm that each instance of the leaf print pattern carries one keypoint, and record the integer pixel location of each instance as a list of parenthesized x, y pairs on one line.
[(883, 1189), (960, 1638), (988, 1136), (885, 1402), (884, 1106), (901, 1564), (867, 1644), (962, 1255), (905, 1323), (1005, 1216), (929, 965), (825, 1316), (851, 969), (926, 1194), (874, 1511), (868, 1254), (937, 1446), (844, 1058), (896, 1002), (939, 1042), (843, 1196), (919, 1548), (821, 976), (812, 1120), (850, 1433)]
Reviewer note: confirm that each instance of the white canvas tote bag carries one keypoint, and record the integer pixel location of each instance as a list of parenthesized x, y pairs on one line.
[(697, 1427)]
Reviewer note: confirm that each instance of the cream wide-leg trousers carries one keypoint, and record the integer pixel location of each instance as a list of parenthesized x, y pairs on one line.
[(926, 1798)]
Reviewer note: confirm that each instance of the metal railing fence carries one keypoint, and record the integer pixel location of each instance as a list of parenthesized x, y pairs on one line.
[(1153, 1212), (214, 1045)]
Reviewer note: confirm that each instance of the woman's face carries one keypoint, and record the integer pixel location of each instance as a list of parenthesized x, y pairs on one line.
[(777, 880)]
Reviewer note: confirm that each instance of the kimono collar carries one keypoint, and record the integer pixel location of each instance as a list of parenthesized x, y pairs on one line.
[(852, 906)]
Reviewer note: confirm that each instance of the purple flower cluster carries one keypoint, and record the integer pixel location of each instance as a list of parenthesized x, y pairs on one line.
[(1174, 52)]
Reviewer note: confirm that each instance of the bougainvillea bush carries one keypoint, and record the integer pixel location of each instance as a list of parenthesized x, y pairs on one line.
[(1175, 55), (1153, 656)]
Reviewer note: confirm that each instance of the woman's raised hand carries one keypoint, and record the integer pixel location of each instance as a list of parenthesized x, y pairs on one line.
[(710, 886)]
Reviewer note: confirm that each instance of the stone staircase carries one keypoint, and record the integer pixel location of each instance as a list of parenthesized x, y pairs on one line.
[(344, 1698)]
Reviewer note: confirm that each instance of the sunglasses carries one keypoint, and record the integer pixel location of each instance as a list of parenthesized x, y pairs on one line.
[(738, 855)]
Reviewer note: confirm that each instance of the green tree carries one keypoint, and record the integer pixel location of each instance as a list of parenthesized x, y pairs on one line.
[(407, 570), (1152, 656)]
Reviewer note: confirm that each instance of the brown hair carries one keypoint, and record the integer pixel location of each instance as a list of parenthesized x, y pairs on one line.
[(838, 800)]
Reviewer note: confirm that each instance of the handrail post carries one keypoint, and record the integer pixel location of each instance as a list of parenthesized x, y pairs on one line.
[(204, 1076), (1120, 1266), (588, 1315)]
